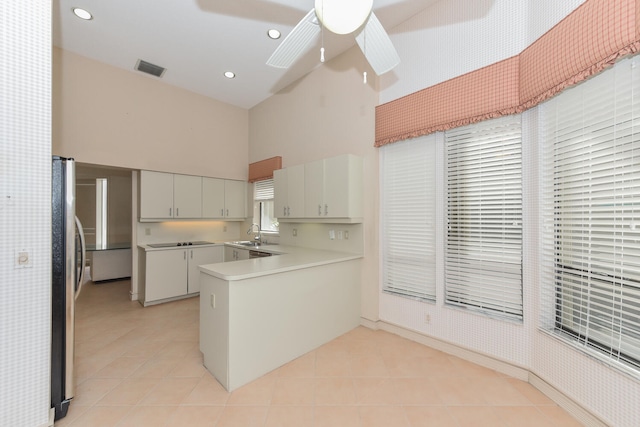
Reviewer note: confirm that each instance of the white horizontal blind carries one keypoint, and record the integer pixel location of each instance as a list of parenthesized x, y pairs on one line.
[(408, 187), (263, 190), (483, 256), (591, 213)]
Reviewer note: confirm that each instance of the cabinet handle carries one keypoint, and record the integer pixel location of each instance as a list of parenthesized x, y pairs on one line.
[(227, 212), (288, 211), (170, 212), (177, 211), (319, 210), (284, 211), (185, 254), (191, 254), (326, 209), (221, 212)]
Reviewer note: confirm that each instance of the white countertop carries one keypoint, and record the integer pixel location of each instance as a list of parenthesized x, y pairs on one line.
[(289, 258), (148, 248)]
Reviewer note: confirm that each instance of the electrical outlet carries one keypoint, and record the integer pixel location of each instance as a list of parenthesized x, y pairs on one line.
[(332, 234), (224, 228), (147, 232), (346, 234), (340, 234), (295, 232), (427, 319)]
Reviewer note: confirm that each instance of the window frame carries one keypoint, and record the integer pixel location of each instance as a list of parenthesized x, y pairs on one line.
[(590, 278), (484, 211)]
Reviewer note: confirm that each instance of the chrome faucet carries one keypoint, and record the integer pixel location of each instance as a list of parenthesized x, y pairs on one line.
[(257, 239)]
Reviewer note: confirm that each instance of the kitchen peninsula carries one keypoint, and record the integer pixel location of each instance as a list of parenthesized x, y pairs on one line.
[(258, 314)]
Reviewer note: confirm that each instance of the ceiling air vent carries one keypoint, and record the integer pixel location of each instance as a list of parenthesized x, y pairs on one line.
[(149, 68)]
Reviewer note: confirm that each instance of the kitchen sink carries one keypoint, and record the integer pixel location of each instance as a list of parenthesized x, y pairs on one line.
[(249, 243)]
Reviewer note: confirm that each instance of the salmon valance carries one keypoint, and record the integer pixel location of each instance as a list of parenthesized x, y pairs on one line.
[(584, 43), (259, 171)]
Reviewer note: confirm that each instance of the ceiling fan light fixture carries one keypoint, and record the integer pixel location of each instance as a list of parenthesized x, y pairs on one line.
[(343, 16)]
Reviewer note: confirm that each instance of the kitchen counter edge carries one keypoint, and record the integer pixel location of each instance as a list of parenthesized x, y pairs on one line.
[(288, 258)]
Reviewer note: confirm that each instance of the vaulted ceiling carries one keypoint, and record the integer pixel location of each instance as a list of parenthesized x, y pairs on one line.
[(197, 41)]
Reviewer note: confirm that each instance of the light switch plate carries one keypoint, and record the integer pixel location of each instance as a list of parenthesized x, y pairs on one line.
[(23, 259)]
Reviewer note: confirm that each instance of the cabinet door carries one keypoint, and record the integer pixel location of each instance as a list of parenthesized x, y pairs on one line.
[(242, 254), (165, 274), (187, 196), (314, 189), (156, 195), (295, 191), (336, 187), (229, 254), (201, 256), (235, 254), (235, 199), (280, 192), (212, 198)]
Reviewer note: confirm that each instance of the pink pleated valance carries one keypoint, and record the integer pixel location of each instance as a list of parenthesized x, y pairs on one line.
[(587, 41)]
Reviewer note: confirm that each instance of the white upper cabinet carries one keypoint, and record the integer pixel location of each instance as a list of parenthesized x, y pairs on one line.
[(187, 196), (224, 198), (169, 196), (289, 192), (174, 196), (156, 195), (333, 189), (213, 198), (235, 199)]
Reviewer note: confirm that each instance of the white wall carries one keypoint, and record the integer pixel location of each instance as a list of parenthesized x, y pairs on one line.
[(436, 46), (454, 37), (328, 112), (108, 116), (25, 211)]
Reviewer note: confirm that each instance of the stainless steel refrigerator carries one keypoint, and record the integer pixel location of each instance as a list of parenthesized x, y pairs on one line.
[(67, 268)]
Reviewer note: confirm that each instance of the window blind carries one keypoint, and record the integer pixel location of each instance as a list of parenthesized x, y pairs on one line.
[(263, 190), (483, 254), (591, 214), (408, 217)]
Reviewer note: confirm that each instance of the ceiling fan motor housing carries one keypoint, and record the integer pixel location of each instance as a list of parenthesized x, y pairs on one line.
[(343, 16)]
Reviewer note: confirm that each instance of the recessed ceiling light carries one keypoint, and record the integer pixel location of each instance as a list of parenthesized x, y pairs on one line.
[(229, 74), (273, 34), (82, 14)]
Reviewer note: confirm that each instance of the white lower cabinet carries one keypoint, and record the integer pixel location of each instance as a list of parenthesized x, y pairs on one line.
[(173, 273), (235, 254), (166, 275), (197, 257)]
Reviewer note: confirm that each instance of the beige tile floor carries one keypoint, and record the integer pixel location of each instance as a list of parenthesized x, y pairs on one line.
[(141, 367)]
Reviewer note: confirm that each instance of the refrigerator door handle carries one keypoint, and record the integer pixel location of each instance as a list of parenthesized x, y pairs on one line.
[(83, 258)]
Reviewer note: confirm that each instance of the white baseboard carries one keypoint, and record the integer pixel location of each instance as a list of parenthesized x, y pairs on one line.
[(576, 410), (565, 402)]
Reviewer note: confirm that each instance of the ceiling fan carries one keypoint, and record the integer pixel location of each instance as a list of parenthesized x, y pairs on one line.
[(340, 17)]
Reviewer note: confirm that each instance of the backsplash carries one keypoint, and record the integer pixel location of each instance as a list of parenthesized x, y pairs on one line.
[(317, 236), (184, 231)]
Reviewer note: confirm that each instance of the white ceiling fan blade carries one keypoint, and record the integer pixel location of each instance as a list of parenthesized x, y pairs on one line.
[(296, 42), (377, 47)]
